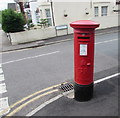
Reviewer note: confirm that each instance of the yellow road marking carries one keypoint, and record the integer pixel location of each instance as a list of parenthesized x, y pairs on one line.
[(32, 100), (22, 100)]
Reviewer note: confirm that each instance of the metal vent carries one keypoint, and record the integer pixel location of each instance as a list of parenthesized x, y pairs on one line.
[(66, 87)]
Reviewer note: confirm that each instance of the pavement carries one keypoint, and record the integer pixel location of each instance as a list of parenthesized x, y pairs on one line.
[(103, 103), (7, 46)]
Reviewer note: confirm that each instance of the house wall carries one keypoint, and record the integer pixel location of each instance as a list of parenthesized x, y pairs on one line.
[(74, 10), (111, 20), (32, 35), (42, 7), (33, 7), (77, 11)]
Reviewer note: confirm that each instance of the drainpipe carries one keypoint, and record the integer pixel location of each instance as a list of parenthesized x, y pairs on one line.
[(91, 4), (51, 3)]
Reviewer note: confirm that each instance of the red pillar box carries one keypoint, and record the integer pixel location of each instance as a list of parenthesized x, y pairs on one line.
[(83, 58)]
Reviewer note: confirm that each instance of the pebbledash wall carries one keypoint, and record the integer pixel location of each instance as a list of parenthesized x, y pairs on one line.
[(74, 11)]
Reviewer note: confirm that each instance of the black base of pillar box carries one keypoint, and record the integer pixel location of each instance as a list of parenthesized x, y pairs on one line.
[(83, 92)]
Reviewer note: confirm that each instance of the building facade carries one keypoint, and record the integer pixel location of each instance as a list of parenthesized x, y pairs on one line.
[(62, 13)]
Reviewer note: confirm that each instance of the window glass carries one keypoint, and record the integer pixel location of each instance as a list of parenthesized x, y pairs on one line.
[(47, 12), (48, 16), (96, 11), (38, 17), (49, 21), (104, 10)]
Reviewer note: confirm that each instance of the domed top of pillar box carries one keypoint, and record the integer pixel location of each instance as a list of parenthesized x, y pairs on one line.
[(84, 24)]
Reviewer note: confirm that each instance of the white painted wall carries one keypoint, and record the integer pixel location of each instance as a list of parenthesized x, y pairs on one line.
[(107, 22), (32, 35), (42, 7), (111, 20), (77, 11), (4, 4), (33, 7)]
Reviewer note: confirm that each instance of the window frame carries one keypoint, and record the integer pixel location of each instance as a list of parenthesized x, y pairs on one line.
[(106, 13), (96, 14), (48, 17)]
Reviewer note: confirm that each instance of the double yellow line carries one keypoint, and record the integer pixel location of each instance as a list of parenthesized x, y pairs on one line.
[(31, 100)]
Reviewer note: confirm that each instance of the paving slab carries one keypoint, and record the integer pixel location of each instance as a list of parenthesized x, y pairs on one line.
[(104, 103)]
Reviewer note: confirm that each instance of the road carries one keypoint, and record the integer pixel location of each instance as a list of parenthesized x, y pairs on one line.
[(28, 71)]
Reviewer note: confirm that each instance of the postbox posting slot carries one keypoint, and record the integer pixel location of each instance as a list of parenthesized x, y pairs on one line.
[(84, 34), (83, 37)]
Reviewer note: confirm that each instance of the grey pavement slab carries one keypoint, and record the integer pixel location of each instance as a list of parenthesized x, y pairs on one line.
[(104, 103)]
